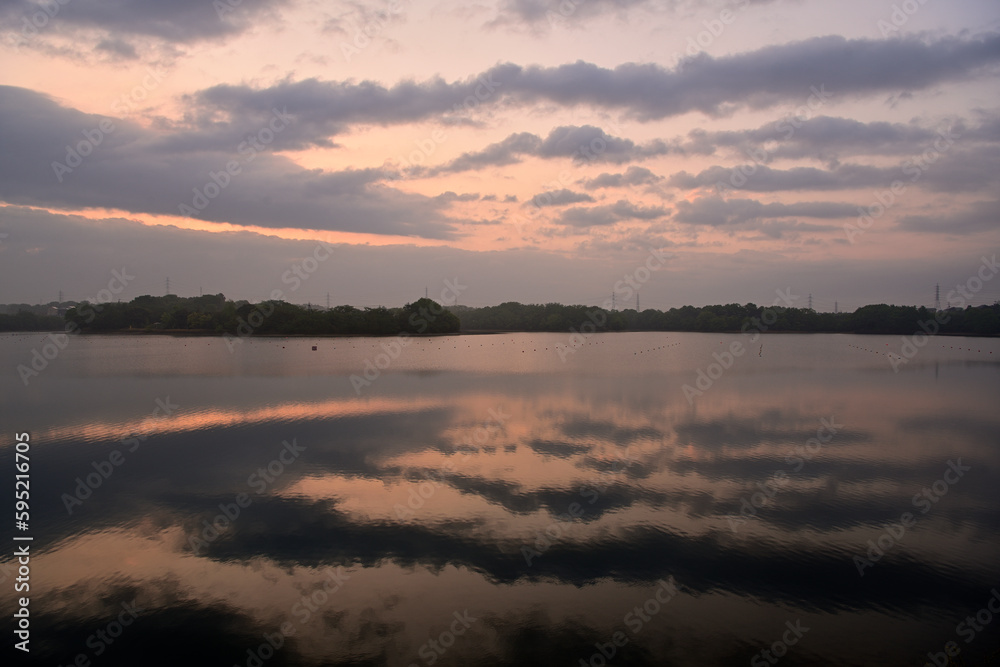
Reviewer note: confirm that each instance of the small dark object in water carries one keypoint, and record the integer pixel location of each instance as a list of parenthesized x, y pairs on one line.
[(314, 348)]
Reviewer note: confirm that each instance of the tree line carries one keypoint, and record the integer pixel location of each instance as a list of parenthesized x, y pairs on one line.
[(26, 320), (215, 314), (873, 319)]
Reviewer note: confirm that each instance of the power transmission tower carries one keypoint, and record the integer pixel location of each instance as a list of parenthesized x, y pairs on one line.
[(637, 302), (60, 296), (937, 297), (810, 301), (168, 287), (836, 307), (328, 301), (612, 301)]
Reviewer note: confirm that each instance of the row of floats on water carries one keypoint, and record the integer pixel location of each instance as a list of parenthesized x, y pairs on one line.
[(948, 347)]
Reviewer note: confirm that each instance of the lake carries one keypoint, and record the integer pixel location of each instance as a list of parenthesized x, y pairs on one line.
[(508, 499)]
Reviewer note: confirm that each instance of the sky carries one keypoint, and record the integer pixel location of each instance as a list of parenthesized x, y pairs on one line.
[(503, 150)]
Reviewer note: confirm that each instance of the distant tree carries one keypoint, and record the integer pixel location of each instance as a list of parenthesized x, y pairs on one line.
[(426, 316)]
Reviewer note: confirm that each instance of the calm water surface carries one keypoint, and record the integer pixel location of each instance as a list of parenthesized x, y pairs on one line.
[(484, 500)]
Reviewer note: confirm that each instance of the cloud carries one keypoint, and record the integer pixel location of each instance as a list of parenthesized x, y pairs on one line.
[(131, 168), (588, 143), (560, 197), (761, 178), (358, 17), (814, 137), (980, 216), (117, 49), (177, 21), (829, 138), (609, 214), (967, 170), (502, 153), (718, 212), (813, 70), (632, 176), (542, 14), (584, 143), (325, 109), (450, 196), (832, 65), (786, 229)]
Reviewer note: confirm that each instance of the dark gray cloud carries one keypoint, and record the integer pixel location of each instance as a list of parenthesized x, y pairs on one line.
[(117, 48), (177, 21), (502, 153), (609, 214), (128, 167), (584, 143), (761, 178), (632, 176), (815, 70), (833, 65), (786, 229), (450, 196), (560, 197), (324, 109), (590, 143), (830, 138), (966, 170), (718, 212), (981, 216), (816, 137)]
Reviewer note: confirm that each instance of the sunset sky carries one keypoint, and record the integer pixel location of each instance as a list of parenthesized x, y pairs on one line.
[(532, 150)]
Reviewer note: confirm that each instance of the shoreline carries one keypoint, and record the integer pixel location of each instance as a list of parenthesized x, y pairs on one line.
[(181, 333)]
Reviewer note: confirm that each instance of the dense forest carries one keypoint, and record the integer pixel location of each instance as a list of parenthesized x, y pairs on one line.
[(215, 314), (875, 319), (26, 320)]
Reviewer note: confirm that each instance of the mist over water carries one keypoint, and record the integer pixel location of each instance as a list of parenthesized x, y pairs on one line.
[(640, 499)]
